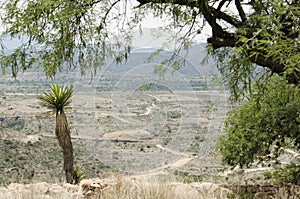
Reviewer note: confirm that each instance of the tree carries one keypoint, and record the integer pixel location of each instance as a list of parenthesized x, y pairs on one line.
[(79, 32), (57, 100), (262, 127)]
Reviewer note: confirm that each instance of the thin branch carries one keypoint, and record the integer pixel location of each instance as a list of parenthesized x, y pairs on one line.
[(103, 21), (240, 10), (93, 3), (217, 30), (191, 3), (229, 19), (190, 29), (221, 4)]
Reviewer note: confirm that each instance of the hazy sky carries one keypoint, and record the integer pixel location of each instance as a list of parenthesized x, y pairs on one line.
[(146, 39), (152, 25)]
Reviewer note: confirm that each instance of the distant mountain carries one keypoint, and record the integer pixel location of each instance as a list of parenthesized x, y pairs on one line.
[(192, 58)]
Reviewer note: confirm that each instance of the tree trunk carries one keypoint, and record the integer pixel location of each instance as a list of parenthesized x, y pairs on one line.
[(64, 139)]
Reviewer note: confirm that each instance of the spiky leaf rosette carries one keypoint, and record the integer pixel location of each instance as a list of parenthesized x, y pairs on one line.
[(58, 99)]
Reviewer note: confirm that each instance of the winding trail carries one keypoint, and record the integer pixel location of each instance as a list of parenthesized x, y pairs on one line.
[(171, 151), (154, 97), (149, 109)]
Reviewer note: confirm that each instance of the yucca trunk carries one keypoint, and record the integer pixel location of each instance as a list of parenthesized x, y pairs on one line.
[(64, 139)]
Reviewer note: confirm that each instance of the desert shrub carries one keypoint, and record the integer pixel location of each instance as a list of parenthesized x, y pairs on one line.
[(289, 174), (17, 124), (193, 178), (267, 175), (174, 114)]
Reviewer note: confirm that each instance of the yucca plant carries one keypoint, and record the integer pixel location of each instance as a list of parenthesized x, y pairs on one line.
[(58, 100), (78, 175)]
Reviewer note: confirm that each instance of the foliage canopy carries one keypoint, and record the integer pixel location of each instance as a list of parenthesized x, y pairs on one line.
[(70, 33), (263, 126)]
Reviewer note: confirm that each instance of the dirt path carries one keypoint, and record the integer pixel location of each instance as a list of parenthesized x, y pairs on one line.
[(149, 109), (171, 150), (154, 97), (182, 160)]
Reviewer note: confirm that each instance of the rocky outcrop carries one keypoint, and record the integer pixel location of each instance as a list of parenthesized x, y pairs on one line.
[(40, 190), (92, 188), (86, 189)]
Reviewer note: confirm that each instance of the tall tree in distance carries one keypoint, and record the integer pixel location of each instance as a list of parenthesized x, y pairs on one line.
[(58, 100)]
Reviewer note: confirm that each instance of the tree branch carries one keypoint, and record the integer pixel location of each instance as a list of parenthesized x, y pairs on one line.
[(191, 3), (210, 13), (276, 67), (221, 4), (229, 19), (222, 38), (219, 43), (261, 60), (240, 10)]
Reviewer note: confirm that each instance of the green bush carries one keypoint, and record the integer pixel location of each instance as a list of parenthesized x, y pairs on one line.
[(174, 114), (262, 126), (17, 124), (289, 174)]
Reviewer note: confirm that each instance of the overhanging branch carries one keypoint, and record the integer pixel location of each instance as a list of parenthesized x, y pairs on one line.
[(222, 38)]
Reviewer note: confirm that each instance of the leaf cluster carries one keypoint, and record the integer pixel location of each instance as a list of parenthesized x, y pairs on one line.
[(267, 45), (78, 175), (57, 99), (274, 35), (58, 35)]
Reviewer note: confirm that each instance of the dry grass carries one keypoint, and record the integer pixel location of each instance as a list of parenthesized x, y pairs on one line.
[(138, 188), (120, 187), (36, 195), (149, 187)]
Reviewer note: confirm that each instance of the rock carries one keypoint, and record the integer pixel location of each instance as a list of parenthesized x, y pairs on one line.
[(42, 190), (71, 188), (40, 187), (15, 187), (57, 191), (184, 191), (200, 191), (92, 187)]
